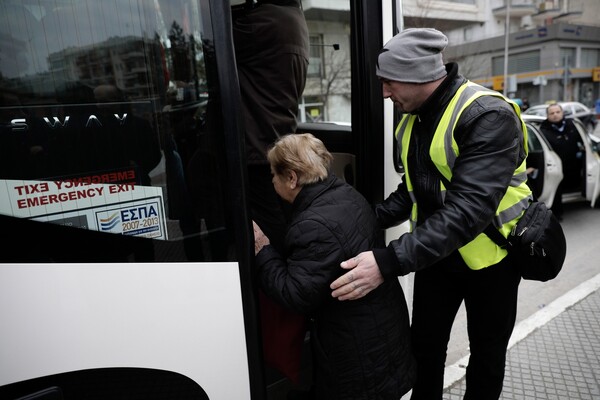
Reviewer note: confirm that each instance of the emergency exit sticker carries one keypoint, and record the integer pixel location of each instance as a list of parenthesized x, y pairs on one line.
[(136, 219), (122, 208)]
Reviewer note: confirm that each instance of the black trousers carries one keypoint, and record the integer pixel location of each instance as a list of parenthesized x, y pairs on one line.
[(490, 297)]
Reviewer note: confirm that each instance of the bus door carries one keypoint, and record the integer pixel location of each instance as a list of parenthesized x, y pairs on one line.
[(342, 103)]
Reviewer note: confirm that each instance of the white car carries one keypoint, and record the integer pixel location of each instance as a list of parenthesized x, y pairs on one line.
[(547, 167)]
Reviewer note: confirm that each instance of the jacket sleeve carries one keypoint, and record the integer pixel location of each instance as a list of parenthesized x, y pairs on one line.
[(301, 283), (490, 141), (395, 209)]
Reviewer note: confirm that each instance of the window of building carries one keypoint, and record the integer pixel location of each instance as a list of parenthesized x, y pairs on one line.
[(312, 109), (567, 57), (315, 65), (589, 58), (517, 63), (468, 34)]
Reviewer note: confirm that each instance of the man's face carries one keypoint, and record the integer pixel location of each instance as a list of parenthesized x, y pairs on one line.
[(407, 97), (554, 113)]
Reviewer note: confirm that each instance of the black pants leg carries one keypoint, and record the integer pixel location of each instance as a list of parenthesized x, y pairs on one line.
[(490, 297), (437, 297), (491, 305), (557, 205)]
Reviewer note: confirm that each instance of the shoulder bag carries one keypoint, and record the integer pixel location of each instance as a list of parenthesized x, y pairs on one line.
[(537, 243)]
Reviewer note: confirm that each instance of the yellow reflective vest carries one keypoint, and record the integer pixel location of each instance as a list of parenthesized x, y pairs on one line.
[(481, 252)]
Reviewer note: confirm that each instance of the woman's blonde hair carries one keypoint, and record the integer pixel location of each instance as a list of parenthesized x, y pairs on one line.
[(302, 153)]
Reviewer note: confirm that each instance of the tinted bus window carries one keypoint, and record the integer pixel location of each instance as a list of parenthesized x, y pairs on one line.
[(121, 134), (110, 130)]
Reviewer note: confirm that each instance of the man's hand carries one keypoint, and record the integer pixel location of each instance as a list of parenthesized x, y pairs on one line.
[(363, 277)]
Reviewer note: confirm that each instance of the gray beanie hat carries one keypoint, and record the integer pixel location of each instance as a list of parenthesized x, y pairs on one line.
[(413, 55)]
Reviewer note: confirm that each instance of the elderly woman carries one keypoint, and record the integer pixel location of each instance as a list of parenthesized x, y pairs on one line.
[(361, 349)]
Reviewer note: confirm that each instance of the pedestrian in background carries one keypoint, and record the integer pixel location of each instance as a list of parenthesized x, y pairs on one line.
[(463, 151), (361, 349), (567, 143)]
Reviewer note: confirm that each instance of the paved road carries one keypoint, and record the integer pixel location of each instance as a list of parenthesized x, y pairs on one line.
[(554, 354)]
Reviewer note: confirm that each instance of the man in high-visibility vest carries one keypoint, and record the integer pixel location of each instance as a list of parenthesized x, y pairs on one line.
[(463, 148)]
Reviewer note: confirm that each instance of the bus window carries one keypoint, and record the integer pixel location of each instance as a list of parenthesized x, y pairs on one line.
[(106, 127)]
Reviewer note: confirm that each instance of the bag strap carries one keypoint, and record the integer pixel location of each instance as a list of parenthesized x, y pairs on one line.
[(489, 230), (496, 236)]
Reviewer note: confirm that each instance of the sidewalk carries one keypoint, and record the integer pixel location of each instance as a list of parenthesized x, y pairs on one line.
[(552, 355)]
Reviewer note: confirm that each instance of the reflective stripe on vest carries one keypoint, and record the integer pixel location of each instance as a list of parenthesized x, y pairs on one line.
[(481, 252)]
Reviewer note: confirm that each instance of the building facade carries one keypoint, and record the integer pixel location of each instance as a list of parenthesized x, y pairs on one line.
[(551, 48), (542, 50)]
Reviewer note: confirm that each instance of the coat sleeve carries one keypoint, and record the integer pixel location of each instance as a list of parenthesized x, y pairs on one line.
[(490, 141), (395, 209), (301, 282)]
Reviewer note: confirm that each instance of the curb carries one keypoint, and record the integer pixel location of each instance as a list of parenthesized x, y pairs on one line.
[(455, 372)]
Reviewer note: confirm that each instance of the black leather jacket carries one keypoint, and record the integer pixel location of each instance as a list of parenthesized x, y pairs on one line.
[(490, 141)]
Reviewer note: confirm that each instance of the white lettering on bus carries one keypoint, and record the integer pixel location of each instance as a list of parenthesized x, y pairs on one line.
[(21, 124)]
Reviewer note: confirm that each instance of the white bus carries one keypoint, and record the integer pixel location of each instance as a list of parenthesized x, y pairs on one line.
[(126, 238)]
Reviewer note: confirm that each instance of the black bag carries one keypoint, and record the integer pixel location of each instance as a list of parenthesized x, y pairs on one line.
[(537, 243)]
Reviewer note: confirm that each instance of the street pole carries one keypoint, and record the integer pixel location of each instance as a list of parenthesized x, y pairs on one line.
[(506, 34), (566, 79)]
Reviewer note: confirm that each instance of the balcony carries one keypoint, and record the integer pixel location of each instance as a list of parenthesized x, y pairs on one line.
[(567, 17), (518, 9), (559, 11), (334, 10)]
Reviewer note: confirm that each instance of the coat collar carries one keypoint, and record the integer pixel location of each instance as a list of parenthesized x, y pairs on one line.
[(310, 192), (442, 95)]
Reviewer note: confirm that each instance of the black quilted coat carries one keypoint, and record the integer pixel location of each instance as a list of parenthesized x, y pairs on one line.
[(361, 348)]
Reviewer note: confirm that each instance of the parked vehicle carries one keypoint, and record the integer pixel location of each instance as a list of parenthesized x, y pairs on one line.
[(544, 165), (548, 167), (571, 108)]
